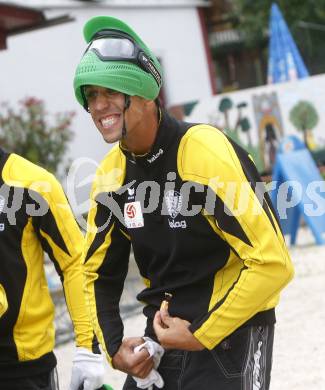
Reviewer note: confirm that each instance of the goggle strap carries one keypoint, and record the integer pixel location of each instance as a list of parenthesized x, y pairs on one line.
[(85, 104), (150, 67), (111, 33), (146, 63), (127, 103)]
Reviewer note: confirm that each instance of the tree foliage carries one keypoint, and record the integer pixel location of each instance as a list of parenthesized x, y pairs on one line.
[(253, 16), (304, 116), (28, 132), (225, 104)]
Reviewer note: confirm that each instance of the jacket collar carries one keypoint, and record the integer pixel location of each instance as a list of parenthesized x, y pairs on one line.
[(166, 134)]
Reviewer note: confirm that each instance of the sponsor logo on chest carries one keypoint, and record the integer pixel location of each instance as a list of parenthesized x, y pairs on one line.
[(131, 193), (155, 156), (133, 216)]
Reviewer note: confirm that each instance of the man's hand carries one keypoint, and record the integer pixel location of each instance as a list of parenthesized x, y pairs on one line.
[(87, 370), (136, 364), (173, 332)]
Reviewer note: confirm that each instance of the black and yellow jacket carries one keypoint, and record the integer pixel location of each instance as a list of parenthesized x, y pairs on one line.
[(35, 217), (3, 301), (200, 227)]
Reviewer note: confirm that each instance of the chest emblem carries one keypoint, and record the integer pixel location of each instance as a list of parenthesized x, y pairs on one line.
[(174, 203)]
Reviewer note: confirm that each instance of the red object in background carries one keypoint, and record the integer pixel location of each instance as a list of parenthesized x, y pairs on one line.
[(15, 19), (211, 67)]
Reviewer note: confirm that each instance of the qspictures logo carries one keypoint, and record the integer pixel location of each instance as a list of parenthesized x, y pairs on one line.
[(2, 205)]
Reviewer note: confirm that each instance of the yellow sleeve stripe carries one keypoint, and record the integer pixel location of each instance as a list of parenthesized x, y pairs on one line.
[(65, 259), (3, 301), (91, 275)]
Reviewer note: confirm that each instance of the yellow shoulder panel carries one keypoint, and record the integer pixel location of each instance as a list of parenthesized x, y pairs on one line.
[(205, 153), (110, 173), (19, 172)]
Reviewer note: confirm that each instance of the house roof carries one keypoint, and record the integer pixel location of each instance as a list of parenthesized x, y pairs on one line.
[(49, 4), (17, 19)]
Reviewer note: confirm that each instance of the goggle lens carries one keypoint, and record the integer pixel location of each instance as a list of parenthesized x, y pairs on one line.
[(113, 47)]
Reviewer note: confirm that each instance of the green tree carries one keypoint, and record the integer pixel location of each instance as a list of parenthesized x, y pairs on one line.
[(253, 16), (28, 132), (240, 108), (225, 105), (245, 128), (304, 117)]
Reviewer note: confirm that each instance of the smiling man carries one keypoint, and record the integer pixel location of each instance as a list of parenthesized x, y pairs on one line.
[(108, 109), (164, 188), (108, 121)]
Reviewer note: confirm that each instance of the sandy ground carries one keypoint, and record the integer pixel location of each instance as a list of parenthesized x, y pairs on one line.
[(299, 350)]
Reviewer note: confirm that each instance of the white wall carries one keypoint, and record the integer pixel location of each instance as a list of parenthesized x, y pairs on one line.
[(287, 95), (42, 63), (124, 3)]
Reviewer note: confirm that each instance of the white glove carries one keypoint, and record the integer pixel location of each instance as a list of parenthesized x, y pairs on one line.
[(87, 370), (154, 378)]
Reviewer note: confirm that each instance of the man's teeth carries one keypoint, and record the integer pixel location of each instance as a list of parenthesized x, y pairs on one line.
[(108, 121)]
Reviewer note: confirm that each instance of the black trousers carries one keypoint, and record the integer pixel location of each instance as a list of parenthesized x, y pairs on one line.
[(242, 361), (48, 381)]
